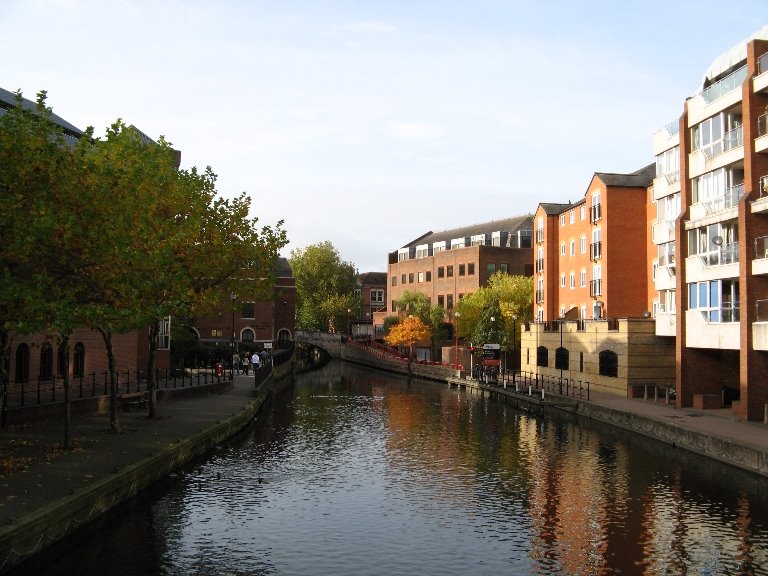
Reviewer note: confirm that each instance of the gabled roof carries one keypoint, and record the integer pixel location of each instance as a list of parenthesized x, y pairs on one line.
[(372, 278), (8, 101), (640, 179), (511, 225), (553, 209)]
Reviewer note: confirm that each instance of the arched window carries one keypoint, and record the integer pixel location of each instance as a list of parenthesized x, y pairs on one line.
[(22, 363), (542, 356), (46, 361), (609, 363), (283, 337), (247, 335), (61, 356), (562, 356), (78, 360)]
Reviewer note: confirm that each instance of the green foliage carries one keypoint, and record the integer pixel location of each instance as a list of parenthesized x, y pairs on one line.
[(325, 287), (508, 297)]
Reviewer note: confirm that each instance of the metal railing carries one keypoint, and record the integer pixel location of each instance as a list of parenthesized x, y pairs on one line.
[(727, 254), (533, 383), (725, 86), (50, 390), (728, 199)]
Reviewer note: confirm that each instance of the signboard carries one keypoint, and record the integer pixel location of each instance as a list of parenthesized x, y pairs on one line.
[(267, 345), (491, 354)]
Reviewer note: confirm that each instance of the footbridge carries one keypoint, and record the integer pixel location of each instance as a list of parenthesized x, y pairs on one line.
[(372, 354)]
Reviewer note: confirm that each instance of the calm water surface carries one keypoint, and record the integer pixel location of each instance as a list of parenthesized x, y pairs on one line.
[(351, 472)]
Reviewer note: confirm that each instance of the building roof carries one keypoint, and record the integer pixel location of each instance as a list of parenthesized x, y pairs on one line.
[(372, 278), (731, 58), (8, 100), (283, 268), (639, 179), (552, 209), (511, 225)]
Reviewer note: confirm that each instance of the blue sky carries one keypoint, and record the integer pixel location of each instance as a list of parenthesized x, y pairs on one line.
[(368, 123)]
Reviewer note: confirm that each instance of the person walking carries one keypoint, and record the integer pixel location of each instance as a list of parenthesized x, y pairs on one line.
[(255, 361), (236, 363), (246, 362)]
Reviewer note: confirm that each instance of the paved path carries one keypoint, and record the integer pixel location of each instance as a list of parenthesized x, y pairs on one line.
[(43, 473)]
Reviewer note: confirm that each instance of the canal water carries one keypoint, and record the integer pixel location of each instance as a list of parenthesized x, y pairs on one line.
[(355, 473)]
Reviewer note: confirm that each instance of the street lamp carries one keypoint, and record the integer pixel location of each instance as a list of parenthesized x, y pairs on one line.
[(349, 321), (232, 297), (493, 332), (514, 347), (456, 315)]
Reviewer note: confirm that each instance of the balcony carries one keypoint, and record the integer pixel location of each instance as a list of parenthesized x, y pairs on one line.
[(713, 265), (760, 263), (539, 265), (760, 326), (666, 323), (595, 213), (663, 231), (666, 278), (666, 184), (539, 296), (761, 142), (595, 288), (666, 137), (595, 251), (704, 332), (760, 83), (718, 154), (716, 97), (539, 235)]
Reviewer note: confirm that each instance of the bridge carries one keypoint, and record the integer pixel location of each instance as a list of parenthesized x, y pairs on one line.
[(372, 354)]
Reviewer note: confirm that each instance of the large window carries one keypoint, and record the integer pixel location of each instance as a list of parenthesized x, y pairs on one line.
[(666, 254), (249, 310), (715, 244), (377, 296), (668, 165), (716, 300), (542, 356), (609, 363), (718, 189)]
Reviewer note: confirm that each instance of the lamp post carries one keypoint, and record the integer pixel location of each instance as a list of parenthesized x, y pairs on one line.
[(232, 297), (514, 347), (456, 315), (562, 318), (493, 331), (349, 321)]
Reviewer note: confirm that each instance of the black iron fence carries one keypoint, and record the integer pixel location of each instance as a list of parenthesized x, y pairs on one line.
[(51, 389), (569, 387)]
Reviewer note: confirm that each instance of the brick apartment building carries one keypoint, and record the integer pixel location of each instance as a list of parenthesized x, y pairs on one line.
[(447, 265)]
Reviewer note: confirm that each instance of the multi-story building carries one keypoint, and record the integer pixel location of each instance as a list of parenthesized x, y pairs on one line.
[(578, 271), (720, 237), (372, 291), (447, 265)]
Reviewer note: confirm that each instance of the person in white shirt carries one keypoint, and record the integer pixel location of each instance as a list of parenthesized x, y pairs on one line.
[(256, 361)]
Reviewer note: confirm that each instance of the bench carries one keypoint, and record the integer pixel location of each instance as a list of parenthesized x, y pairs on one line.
[(133, 401)]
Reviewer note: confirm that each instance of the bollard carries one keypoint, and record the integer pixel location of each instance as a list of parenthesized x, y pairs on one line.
[(542, 393), (529, 390)]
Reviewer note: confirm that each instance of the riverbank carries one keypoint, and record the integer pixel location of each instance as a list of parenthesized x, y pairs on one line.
[(716, 434), (52, 493)]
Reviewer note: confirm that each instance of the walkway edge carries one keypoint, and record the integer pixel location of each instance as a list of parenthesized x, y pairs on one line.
[(34, 532)]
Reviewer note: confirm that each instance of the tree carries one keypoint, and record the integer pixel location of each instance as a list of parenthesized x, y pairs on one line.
[(409, 330), (325, 287), (432, 315)]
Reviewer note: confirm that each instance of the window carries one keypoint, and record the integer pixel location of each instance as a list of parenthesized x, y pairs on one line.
[(422, 251), (609, 363), (449, 301), (471, 269), (542, 356), (440, 272), (595, 213), (583, 211), (583, 282), (46, 361), (573, 280), (410, 277), (573, 247), (717, 300), (562, 358), (491, 268), (562, 219), (668, 165), (377, 296), (449, 271), (562, 249), (572, 216), (562, 280), (403, 279), (394, 280), (440, 300), (458, 243), (248, 310), (540, 230), (78, 360), (504, 268), (583, 241), (715, 244), (421, 277), (462, 270), (429, 275), (247, 335)]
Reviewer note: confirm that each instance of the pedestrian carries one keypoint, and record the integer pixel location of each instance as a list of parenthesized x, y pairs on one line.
[(246, 362), (256, 361), (236, 363)]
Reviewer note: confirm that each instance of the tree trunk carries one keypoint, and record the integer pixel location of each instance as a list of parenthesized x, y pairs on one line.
[(67, 406), (5, 351), (154, 330), (114, 422)]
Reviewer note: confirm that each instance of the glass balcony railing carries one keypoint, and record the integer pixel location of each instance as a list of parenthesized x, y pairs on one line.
[(727, 200), (762, 63), (725, 86), (761, 247), (727, 254)]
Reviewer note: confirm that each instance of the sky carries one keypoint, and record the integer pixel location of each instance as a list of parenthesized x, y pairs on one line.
[(369, 123)]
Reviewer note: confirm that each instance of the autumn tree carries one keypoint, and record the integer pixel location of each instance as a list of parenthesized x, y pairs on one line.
[(432, 315), (409, 330), (325, 287)]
